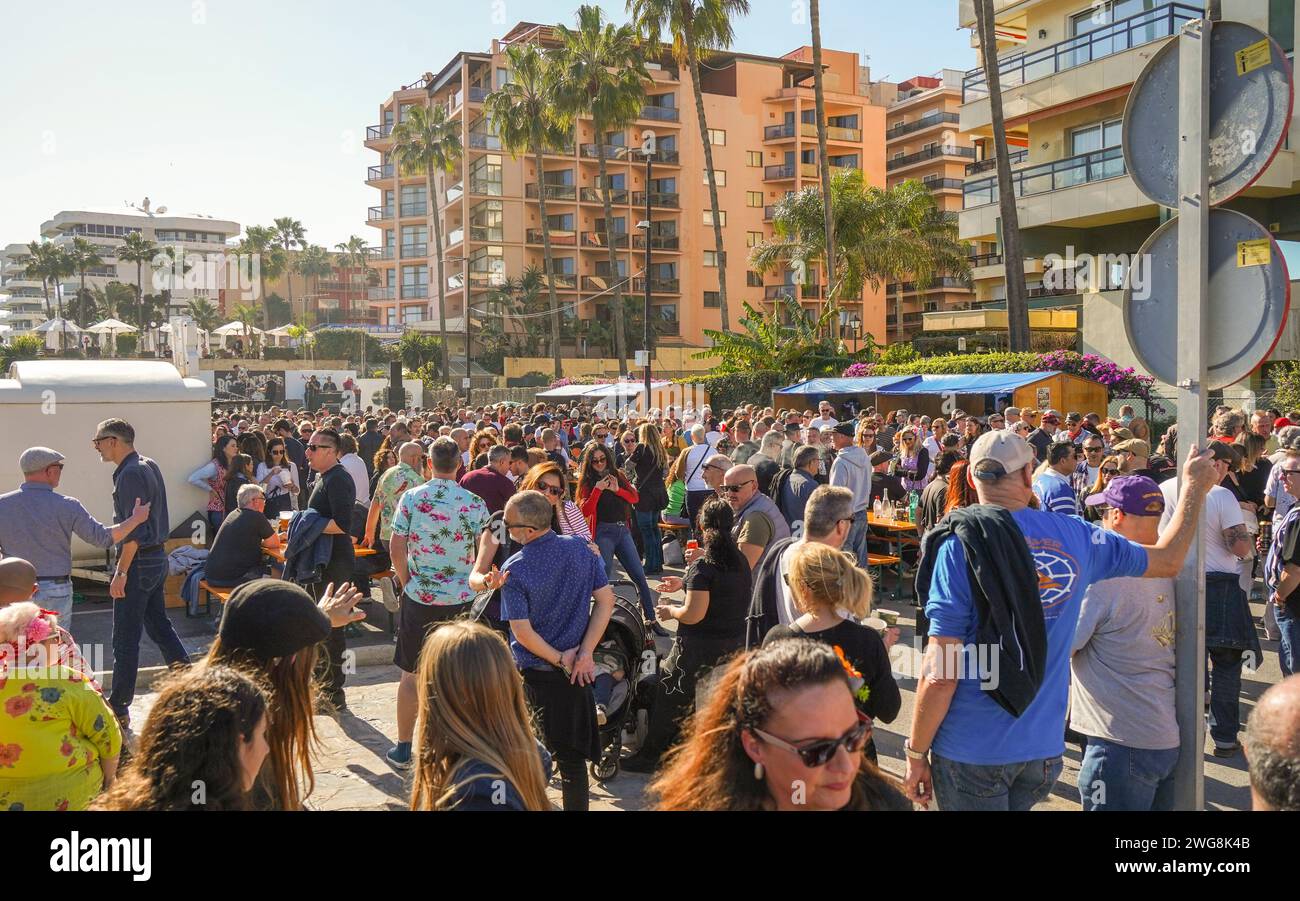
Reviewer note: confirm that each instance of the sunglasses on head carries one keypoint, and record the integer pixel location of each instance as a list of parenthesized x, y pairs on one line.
[(819, 753)]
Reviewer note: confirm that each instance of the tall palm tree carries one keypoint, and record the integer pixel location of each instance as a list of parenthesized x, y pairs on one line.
[(136, 248), (290, 234), (205, 314), (112, 301), (51, 264), (819, 93), (260, 242), (526, 122), (313, 264), (82, 255), (246, 315), (1013, 250), (603, 76), (427, 141), (170, 259), (354, 253), (696, 27)]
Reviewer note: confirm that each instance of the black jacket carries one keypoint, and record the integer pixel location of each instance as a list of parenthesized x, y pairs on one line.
[(762, 616), (1004, 589)]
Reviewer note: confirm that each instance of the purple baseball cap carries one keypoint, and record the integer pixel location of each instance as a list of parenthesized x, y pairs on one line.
[(1132, 495)]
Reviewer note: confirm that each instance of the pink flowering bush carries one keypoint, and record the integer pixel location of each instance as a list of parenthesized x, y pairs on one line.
[(859, 370)]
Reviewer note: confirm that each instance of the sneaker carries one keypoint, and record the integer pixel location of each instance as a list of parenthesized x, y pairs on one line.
[(1226, 750), (638, 764), (398, 763), (602, 715), (388, 593)]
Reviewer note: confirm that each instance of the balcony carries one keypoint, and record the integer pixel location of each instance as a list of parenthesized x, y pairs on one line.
[(485, 187), (943, 184), (487, 233), (666, 158), (942, 283), (419, 251), (1125, 34), (657, 286), (608, 151), (776, 292), (788, 130), (930, 121), (563, 281), (414, 209), (658, 242), (482, 141), (617, 196), (662, 199), (597, 240), (930, 153), (454, 237), (386, 253), (376, 213), (455, 193), (780, 132), (379, 132), (380, 293), (410, 292), (660, 113), (478, 95), (379, 173), (779, 173), (560, 237), (980, 260), (1015, 158), (600, 283), (1054, 176), (553, 192), (769, 213)]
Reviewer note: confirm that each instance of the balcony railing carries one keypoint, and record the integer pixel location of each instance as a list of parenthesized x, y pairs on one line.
[(553, 192), (943, 184), (378, 132), (778, 132), (485, 187), (560, 237), (775, 292), (379, 212), (414, 291), (563, 281), (985, 259), (658, 242), (411, 251), (906, 128), (769, 213), (617, 196), (608, 151), (415, 209), (493, 233), (663, 199), (379, 293), (598, 283), (1125, 34), (378, 173), (597, 240), (482, 141), (1016, 157), (478, 95), (930, 153), (778, 173), (386, 253), (657, 286), (660, 113), (936, 284), (1054, 176)]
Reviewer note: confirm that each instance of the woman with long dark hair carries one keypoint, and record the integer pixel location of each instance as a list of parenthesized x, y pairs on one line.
[(279, 479), (649, 463), (781, 717), (606, 498), (207, 729), (211, 477), (239, 475)]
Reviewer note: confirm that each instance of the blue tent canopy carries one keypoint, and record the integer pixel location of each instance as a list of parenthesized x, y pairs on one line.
[(988, 383), (864, 385)]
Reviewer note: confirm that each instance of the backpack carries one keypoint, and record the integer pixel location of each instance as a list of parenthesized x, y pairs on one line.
[(778, 483)]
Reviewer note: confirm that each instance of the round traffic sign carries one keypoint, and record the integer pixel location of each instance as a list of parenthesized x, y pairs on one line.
[(1250, 111), (1246, 304)]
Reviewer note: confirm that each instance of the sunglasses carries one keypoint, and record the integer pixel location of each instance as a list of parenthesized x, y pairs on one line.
[(819, 753), (629, 441), (552, 490), (1092, 450), (316, 447), (1287, 473), (1109, 472), (735, 489)]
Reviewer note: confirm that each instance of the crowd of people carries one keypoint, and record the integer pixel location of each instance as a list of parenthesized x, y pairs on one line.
[(1043, 580)]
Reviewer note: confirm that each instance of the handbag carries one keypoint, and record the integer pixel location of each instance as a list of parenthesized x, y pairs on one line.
[(685, 510)]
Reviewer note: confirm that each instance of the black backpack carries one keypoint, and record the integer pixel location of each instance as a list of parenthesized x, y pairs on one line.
[(778, 483)]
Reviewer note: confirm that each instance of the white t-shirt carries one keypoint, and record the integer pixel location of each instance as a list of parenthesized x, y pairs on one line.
[(693, 468), (1221, 512), (823, 422), (360, 477)]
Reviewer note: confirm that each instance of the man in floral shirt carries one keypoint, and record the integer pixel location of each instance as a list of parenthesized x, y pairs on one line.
[(391, 486), (434, 542)]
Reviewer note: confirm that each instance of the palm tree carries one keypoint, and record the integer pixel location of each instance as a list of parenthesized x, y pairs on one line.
[(427, 141), (526, 122), (170, 259), (136, 248), (50, 264), (82, 255), (819, 93), (205, 314), (247, 315), (354, 253), (260, 242), (603, 76), (289, 233), (696, 27), (314, 263), (1013, 251), (112, 300), (786, 339)]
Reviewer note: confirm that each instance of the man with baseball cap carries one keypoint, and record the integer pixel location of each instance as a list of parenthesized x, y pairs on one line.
[(1041, 438), (997, 735), (1122, 691), (37, 524)]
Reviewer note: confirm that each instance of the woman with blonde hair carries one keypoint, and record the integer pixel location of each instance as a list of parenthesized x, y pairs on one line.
[(475, 748), (825, 584), (649, 462)]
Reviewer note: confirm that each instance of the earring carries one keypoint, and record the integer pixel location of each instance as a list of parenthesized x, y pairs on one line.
[(758, 772)]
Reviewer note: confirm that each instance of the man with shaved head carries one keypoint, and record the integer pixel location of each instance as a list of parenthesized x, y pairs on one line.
[(408, 473), (17, 584), (1273, 747), (759, 523)]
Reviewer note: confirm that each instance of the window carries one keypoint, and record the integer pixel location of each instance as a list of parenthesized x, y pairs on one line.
[(1281, 23), (710, 259), (712, 300), (1098, 136), (754, 199), (717, 137), (719, 174), (722, 217), (754, 159), (753, 239), (485, 175), (753, 279)]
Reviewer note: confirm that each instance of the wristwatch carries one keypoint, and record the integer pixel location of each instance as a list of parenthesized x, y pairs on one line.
[(913, 753)]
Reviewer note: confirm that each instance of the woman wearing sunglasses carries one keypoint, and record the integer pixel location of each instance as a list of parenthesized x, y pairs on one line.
[(780, 731), (278, 476), (1110, 467), (607, 498)]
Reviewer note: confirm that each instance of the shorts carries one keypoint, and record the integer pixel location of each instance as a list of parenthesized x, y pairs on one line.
[(415, 624)]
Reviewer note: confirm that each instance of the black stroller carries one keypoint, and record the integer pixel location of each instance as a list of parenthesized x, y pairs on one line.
[(628, 711)]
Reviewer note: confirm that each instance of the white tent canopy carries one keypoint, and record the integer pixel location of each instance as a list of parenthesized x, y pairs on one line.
[(57, 324), (237, 328), (111, 326)]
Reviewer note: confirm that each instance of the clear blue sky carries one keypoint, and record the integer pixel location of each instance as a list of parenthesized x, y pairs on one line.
[(251, 110)]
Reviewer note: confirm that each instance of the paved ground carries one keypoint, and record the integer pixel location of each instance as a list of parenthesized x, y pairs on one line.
[(352, 773)]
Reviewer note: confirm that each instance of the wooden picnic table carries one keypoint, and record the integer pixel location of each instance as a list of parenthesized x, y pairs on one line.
[(897, 532), (277, 554)]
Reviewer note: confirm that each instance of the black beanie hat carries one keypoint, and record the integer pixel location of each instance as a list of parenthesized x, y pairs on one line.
[(271, 618)]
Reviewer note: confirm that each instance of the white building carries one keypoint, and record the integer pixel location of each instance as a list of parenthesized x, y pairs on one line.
[(22, 300)]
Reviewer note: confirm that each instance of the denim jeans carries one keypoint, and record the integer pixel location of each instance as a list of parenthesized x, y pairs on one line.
[(1288, 646), (1116, 777), (56, 596), (142, 609), (603, 689), (857, 537), (1225, 694), (1011, 786), (615, 540), (648, 523)]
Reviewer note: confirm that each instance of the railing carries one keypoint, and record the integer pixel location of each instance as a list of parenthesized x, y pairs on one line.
[(936, 284), (775, 292), (379, 293), (597, 239), (778, 173), (985, 259), (415, 209), (657, 286), (811, 292), (660, 113), (376, 173), (1040, 291), (553, 192), (479, 140), (454, 237), (943, 184), (778, 132), (1125, 34), (1015, 158), (414, 291), (598, 283), (478, 95), (493, 233), (658, 242), (608, 151), (906, 128), (566, 150), (666, 158), (664, 199), (1053, 176), (386, 253), (560, 237), (485, 187), (562, 281), (929, 153), (617, 196), (769, 213), (378, 132), (379, 212), (838, 133), (420, 250)]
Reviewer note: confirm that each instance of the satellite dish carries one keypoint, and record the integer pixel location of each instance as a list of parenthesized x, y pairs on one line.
[(162, 210)]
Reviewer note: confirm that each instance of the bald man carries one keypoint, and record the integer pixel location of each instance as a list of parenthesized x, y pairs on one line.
[(1273, 747), (408, 473), (17, 584)]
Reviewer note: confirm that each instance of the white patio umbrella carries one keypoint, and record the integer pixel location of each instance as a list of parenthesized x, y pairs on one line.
[(237, 328), (53, 328), (111, 327)]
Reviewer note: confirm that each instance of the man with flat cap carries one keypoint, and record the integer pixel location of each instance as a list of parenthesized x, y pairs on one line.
[(37, 524)]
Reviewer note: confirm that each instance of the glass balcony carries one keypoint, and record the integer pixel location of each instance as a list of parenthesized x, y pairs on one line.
[(378, 173), (563, 281), (478, 95), (599, 283), (1015, 158), (481, 141), (386, 253), (943, 184), (379, 212), (454, 237), (1054, 176), (779, 132), (1152, 25), (608, 151), (769, 213), (657, 286), (662, 199), (930, 153), (597, 240), (617, 196), (553, 192), (455, 192), (660, 113), (940, 283), (778, 173), (658, 242), (775, 292), (559, 237), (907, 128), (378, 132), (979, 260), (494, 233)]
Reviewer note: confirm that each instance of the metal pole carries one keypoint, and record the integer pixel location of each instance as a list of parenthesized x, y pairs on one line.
[(469, 378), (1193, 278), (649, 162)]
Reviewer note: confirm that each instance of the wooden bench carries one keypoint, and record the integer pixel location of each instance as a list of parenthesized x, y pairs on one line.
[(673, 527), (222, 594), (882, 560)]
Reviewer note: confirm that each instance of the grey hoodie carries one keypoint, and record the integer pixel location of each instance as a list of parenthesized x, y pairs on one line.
[(852, 470)]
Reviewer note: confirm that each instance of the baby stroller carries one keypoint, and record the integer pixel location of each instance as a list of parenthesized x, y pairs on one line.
[(628, 711)]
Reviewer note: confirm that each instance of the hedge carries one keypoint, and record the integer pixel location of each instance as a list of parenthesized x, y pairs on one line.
[(726, 392), (281, 353)]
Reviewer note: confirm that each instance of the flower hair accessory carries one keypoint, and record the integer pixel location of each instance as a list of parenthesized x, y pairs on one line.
[(861, 691), (40, 629)]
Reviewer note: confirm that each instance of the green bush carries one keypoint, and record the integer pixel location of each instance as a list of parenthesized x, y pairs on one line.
[(126, 345), (417, 348), (347, 344), (898, 353), (1287, 379), (24, 347), (730, 391), (962, 364), (280, 353)]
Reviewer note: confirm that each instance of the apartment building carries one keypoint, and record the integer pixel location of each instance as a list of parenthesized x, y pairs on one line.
[(762, 124), (340, 298), (923, 143), (1066, 68)]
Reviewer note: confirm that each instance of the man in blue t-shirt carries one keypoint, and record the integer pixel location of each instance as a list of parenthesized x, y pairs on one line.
[(1053, 488), (965, 749)]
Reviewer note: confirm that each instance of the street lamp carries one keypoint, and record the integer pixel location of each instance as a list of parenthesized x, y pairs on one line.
[(648, 146), (849, 322), (442, 290)]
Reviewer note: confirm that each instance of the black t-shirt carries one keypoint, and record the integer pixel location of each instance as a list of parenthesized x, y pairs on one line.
[(612, 508), (729, 591), (333, 498), (866, 650), (238, 546), (1254, 482), (233, 483)]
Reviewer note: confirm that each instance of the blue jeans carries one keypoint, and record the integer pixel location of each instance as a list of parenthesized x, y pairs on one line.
[(1225, 694), (142, 609), (614, 540), (648, 523), (56, 596), (1116, 777), (1011, 786), (603, 689), (1288, 646), (857, 537)]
